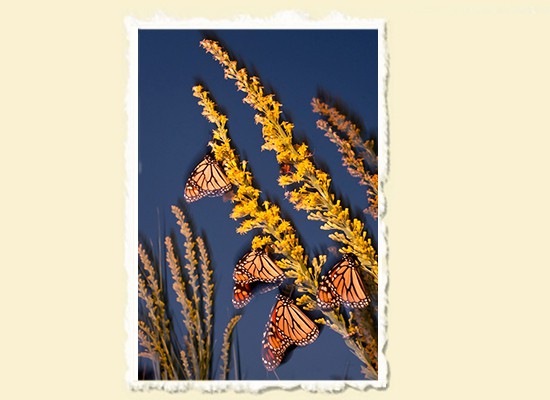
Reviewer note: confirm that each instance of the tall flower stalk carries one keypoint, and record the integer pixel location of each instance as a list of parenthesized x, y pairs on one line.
[(312, 186), (280, 235)]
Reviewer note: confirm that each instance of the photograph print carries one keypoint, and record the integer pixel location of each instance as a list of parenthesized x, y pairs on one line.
[(254, 216)]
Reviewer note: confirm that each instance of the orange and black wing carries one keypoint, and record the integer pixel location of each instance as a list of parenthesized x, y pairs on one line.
[(292, 323), (207, 179), (346, 284), (326, 296), (244, 292), (255, 266), (273, 347)]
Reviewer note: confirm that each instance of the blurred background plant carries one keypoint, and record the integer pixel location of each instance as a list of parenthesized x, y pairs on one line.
[(174, 355), (357, 155)]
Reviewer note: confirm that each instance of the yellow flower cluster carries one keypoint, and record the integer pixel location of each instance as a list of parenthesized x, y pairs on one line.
[(372, 195), (313, 193), (277, 232)]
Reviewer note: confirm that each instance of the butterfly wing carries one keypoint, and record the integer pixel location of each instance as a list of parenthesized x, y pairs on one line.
[(326, 296), (292, 323), (193, 192), (256, 265), (244, 292), (287, 326), (273, 347), (346, 283), (207, 179)]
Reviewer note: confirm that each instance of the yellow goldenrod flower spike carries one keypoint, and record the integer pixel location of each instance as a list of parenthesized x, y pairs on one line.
[(277, 232), (314, 194)]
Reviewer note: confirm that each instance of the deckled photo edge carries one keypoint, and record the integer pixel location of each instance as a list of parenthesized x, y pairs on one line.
[(281, 20)]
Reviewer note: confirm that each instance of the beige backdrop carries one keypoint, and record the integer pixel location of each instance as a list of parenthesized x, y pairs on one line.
[(468, 194)]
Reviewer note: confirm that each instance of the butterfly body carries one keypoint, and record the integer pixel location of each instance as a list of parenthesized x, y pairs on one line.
[(207, 179)]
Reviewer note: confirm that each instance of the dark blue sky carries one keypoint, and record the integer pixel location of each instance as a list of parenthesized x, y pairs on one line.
[(296, 65)]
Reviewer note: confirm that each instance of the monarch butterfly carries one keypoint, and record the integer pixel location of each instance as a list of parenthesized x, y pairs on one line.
[(342, 285), (207, 179), (256, 265), (253, 269), (244, 292), (287, 325)]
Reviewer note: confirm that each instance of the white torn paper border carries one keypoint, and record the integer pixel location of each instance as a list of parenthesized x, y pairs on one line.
[(282, 20)]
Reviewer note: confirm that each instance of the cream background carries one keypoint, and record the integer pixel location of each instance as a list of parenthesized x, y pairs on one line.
[(468, 194)]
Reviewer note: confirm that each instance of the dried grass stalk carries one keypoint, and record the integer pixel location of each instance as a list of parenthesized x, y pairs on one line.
[(194, 360), (355, 152), (226, 346)]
